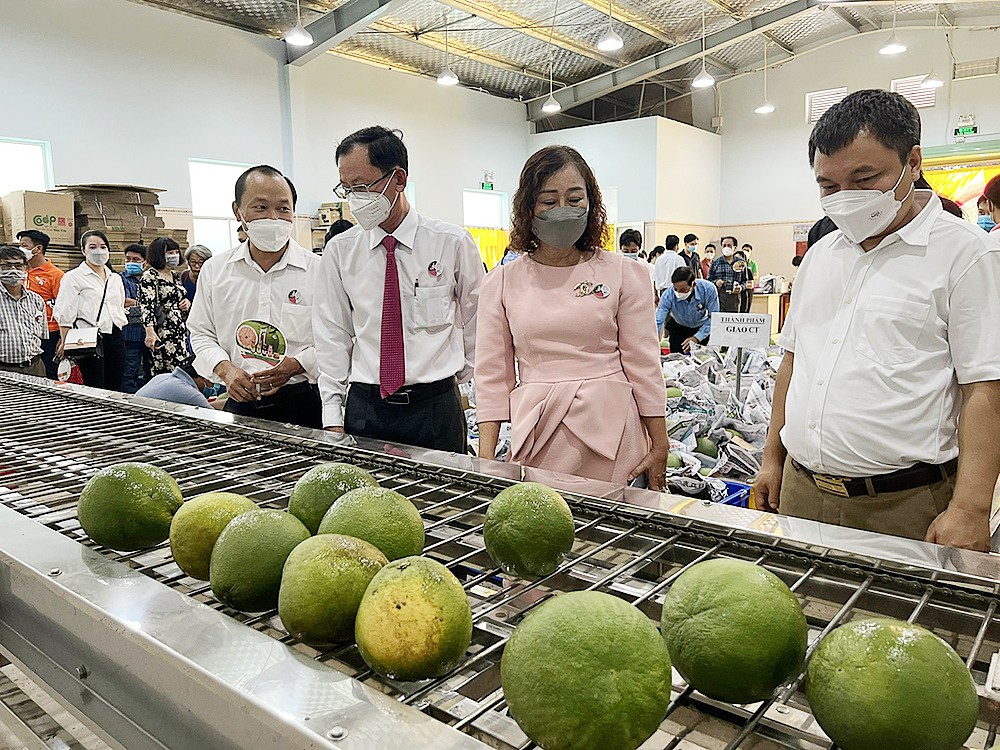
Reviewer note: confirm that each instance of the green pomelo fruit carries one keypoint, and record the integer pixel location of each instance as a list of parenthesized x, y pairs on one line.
[(322, 584), (247, 559), (707, 448), (414, 621), (321, 487), (674, 461), (129, 506), (196, 528), (734, 630), (882, 684), (379, 516), (529, 530), (674, 393), (586, 671)]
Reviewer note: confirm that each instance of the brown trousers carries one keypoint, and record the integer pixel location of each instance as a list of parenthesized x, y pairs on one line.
[(906, 514), (37, 368)]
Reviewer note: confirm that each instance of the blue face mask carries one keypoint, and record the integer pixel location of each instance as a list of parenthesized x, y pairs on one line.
[(133, 269), (986, 222)]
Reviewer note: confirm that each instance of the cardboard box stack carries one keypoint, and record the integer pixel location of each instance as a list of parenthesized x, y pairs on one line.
[(51, 213), (125, 213)]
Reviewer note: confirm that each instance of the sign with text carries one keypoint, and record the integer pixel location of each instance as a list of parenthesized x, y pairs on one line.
[(745, 330)]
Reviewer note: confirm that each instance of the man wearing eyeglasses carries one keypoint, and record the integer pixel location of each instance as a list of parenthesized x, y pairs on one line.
[(22, 317), (395, 322)]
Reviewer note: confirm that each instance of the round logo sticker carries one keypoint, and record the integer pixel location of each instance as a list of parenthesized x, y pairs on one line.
[(601, 291), (260, 341), (293, 296), (739, 266), (434, 269)]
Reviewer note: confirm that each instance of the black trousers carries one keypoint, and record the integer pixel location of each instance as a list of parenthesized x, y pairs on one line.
[(298, 403), (437, 422), (678, 334), (746, 298), (106, 371), (729, 302), (49, 355)]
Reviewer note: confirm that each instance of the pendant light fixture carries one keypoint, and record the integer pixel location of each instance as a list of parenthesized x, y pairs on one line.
[(447, 76), (704, 79), (894, 46), (611, 41), (932, 80), (297, 35), (552, 105), (765, 107)]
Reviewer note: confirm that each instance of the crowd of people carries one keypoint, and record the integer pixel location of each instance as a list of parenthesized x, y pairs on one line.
[(373, 337)]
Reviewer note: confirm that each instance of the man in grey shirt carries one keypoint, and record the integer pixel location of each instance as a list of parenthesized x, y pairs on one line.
[(182, 386)]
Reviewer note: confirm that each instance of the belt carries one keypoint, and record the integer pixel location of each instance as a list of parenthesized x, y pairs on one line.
[(918, 475), (23, 365), (409, 394)]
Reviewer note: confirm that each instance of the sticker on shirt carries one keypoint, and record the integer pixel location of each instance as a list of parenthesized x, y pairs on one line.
[(261, 342), (434, 270), (739, 266), (588, 288), (294, 297)]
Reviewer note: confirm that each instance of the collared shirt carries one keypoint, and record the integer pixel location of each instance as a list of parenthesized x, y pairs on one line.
[(44, 281), (735, 272), (79, 300), (882, 341), (22, 326), (239, 304), (665, 266), (177, 387), (440, 271), (693, 312), (134, 331), (693, 261)]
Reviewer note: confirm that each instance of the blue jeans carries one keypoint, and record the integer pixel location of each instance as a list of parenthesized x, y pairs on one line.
[(136, 366)]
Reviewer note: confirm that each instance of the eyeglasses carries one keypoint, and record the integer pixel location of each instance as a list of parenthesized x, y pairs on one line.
[(346, 191)]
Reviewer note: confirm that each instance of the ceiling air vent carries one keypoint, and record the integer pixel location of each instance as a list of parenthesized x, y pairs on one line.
[(909, 88), (988, 66), (818, 102)]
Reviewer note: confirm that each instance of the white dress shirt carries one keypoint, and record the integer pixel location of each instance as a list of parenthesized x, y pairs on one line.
[(440, 271), (664, 268), (79, 300), (882, 341), (232, 289)]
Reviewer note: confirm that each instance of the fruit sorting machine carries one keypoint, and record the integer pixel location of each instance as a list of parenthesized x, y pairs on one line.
[(147, 658)]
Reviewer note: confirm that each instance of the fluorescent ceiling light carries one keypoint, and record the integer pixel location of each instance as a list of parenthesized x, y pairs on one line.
[(551, 105), (298, 36), (447, 77)]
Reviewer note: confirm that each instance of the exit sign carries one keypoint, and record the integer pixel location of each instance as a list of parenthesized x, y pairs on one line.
[(966, 130), (487, 186)]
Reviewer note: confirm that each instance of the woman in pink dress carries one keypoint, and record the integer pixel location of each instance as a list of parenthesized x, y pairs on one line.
[(589, 397)]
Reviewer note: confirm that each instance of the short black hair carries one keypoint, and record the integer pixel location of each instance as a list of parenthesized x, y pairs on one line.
[(268, 171), (137, 249), (682, 273), (385, 147), (672, 241), (156, 256), (797, 260), (338, 227), (690, 238), (746, 245), (889, 118), (736, 242), (93, 233), (39, 238), (9, 252), (711, 245), (629, 237), (188, 367)]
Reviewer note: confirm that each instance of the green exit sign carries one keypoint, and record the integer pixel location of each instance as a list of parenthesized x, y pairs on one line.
[(487, 186), (965, 130)]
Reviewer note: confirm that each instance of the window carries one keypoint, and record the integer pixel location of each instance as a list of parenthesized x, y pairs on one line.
[(485, 209), (212, 185), (26, 166), (818, 102), (909, 89)]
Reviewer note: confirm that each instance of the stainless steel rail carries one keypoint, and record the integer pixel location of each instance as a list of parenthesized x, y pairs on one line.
[(53, 440)]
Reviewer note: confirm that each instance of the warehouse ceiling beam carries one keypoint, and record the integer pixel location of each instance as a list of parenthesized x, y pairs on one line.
[(458, 49), (342, 23), (737, 16), (847, 18), (641, 70), (534, 29)]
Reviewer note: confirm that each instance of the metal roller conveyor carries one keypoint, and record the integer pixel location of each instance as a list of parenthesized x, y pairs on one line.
[(149, 659)]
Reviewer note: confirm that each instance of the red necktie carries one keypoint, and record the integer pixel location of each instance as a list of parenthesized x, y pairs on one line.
[(392, 365)]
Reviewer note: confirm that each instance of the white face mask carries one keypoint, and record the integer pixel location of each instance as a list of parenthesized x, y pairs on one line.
[(268, 235), (98, 257), (13, 277), (861, 214), (173, 259), (683, 295), (728, 251), (371, 209)]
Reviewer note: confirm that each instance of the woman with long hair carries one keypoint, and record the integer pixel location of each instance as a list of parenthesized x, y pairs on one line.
[(164, 304), (590, 399)]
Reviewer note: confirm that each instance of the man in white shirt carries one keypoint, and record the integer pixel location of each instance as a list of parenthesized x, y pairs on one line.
[(666, 264), (402, 334), (251, 321), (892, 364)]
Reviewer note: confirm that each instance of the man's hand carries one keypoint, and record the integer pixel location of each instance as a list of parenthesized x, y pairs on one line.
[(767, 488), (238, 383), (61, 347), (270, 381), (720, 283), (686, 346), (961, 528)]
